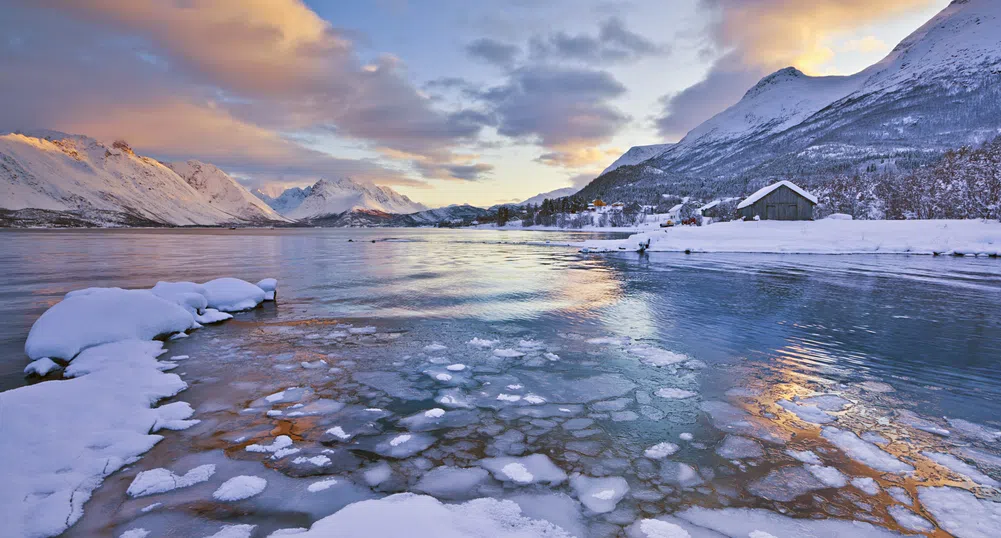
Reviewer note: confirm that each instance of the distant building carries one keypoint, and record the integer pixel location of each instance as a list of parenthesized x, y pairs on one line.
[(779, 201), (617, 206), (710, 210), (675, 212), (599, 203)]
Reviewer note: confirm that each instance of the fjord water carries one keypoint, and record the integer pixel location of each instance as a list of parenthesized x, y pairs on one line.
[(890, 334)]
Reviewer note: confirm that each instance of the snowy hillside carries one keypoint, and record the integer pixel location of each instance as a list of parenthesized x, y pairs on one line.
[(223, 191), (636, 155), (79, 177), (285, 202), (551, 195), (939, 89), (335, 196)]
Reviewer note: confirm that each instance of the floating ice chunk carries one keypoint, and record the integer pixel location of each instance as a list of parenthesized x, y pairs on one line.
[(455, 367), (827, 402), (315, 365), (437, 412), (41, 367), (516, 386), (323, 406), (232, 294), (443, 376), (451, 482), (806, 413), (234, 531), (785, 484), (100, 317), (362, 330), (805, 456), (403, 445), (617, 404), (900, 495), (483, 343), (971, 430), (874, 437), (731, 419), (162, 480), (240, 487), (608, 340), (321, 485), (600, 495), (655, 528), (735, 447), (174, 416), (866, 485), (377, 473), (293, 394), (420, 516), (134, 533), (282, 452), (530, 344), (318, 461), (670, 393), (864, 451), (508, 353), (552, 357), (654, 356), (534, 399), (660, 451), (875, 386), (578, 389), (273, 413), (909, 520), (961, 513), (686, 436), (759, 523), (280, 442), (392, 383), (530, 469), (959, 466), (509, 397), (913, 420), (680, 474), (830, 476), (453, 398), (435, 347)]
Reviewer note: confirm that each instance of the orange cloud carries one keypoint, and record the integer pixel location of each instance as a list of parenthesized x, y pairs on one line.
[(579, 155), (780, 33)]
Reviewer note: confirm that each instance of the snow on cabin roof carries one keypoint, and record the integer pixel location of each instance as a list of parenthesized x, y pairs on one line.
[(676, 208), (710, 205), (761, 193)]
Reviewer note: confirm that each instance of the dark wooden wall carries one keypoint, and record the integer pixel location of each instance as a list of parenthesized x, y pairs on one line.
[(781, 204)]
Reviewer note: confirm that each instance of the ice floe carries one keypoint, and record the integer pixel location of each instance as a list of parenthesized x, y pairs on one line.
[(162, 480), (805, 456), (758, 523), (961, 513), (451, 482), (530, 469), (508, 353), (661, 450), (483, 343), (785, 484), (735, 447), (322, 485), (909, 520), (959, 466), (421, 516), (239, 488), (830, 476), (866, 485), (864, 451), (599, 495)]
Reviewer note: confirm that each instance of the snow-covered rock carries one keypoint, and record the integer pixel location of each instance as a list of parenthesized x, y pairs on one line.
[(162, 480), (240, 487)]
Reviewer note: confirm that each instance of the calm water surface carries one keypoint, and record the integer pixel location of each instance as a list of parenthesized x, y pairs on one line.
[(889, 334)]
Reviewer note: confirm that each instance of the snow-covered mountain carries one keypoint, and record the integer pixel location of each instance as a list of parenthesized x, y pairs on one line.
[(939, 89), (636, 155), (223, 191), (335, 196), (552, 195), (77, 180)]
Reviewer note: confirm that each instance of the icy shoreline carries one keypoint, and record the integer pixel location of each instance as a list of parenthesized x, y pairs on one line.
[(59, 439), (949, 237)]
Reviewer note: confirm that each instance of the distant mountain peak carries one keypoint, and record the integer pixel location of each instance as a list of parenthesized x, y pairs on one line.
[(337, 195)]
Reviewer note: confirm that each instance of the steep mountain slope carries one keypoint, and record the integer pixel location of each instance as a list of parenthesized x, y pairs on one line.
[(940, 88), (335, 196), (224, 192), (551, 195), (636, 155), (285, 202), (94, 183)]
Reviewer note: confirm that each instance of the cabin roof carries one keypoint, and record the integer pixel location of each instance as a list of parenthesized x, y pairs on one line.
[(761, 193)]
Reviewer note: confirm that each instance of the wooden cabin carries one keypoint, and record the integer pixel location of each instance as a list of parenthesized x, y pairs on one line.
[(779, 201), (599, 203)]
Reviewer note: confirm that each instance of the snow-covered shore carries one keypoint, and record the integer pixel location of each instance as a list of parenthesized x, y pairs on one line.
[(829, 236), (59, 439)]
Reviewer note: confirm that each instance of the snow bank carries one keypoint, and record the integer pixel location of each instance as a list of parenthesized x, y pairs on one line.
[(95, 316), (419, 516), (162, 480), (61, 438), (820, 237)]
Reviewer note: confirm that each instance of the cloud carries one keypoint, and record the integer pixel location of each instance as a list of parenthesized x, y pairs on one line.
[(493, 52), (557, 106), (578, 157), (266, 67), (614, 44), (752, 38), (865, 44)]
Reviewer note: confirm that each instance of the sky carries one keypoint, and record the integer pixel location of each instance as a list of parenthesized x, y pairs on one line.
[(446, 101)]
